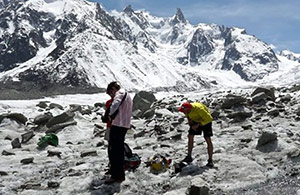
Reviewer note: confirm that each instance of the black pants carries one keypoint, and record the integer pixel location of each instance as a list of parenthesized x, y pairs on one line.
[(116, 151)]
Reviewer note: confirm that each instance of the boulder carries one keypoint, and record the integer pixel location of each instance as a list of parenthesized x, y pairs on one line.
[(198, 187), (14, 116), (232, 100), (42, 104), (257, 98), (43, 118), (269, 91), (266, 137), (142, 101), (66, 116), (16, 143), (54, 105), (27, 160), (57, 127), (27, 136)]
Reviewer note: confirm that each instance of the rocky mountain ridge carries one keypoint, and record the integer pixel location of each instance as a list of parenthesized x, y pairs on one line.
[(80, 47)]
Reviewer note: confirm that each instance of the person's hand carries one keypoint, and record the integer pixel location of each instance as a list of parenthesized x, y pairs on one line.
[(195, 126)]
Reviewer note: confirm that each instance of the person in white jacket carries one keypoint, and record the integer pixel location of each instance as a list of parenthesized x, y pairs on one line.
[(120, 115)]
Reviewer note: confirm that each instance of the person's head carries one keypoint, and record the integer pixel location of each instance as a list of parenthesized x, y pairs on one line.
[(186, 107), (112, 88)]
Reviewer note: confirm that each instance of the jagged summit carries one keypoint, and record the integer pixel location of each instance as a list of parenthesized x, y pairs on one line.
[(128, 9), (179, 17)]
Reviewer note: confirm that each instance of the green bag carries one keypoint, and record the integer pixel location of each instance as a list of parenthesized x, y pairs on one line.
[(48, 139)]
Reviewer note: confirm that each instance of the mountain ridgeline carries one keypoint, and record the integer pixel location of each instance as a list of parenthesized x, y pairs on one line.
[(80, 47)]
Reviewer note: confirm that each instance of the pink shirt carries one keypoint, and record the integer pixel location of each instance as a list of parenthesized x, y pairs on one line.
[(123, 118)]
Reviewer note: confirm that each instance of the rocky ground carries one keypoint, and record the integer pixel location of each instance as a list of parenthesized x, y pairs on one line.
[(256, 144)]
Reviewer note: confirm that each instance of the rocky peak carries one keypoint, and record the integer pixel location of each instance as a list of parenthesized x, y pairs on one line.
[(128, 10), (178, 18)]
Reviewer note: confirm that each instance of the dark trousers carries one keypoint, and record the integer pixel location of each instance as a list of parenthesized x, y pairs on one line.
[(116, 151)]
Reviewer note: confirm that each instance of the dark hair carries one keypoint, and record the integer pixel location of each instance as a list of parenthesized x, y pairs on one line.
[(111, 85)]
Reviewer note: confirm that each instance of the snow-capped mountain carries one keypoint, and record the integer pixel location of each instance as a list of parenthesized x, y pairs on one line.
[(290, 55), (62, 45)]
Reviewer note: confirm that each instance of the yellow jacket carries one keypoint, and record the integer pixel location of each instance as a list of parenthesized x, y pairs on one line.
[(200, 113)]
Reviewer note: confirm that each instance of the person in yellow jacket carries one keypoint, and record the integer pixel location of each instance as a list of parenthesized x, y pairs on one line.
[(199, 120)]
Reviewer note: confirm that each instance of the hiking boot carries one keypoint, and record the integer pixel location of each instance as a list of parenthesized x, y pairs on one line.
[(210, 163), (187, 159)]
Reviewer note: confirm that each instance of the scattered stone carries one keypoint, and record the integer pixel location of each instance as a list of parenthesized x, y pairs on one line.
[(142, 101), (16, 143), (60, 126), (75, 108), (274, 112), (27, 136), (198, 187), (3, 173), (99, 144), (266, 137), (101, 105), (27, 160), (232, 100), (89, 153), (54, 153), (43, 118), (18, 117), (6, 153), (257, 98), (269, 91), (54, 105), (53, 184), (176, 137), (42, 104), (66, 116), (28, 186), (294, 153)]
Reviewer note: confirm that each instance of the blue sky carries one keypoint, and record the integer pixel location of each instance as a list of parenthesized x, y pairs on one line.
[(276, 22)]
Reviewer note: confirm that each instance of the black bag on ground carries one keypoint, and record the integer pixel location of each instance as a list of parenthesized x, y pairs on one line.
[(131, 160)]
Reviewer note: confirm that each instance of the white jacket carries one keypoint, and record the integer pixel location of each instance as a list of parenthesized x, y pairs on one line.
[(123, 118)]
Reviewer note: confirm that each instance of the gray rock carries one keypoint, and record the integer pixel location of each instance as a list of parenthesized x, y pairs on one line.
[(16, 143), (239, 116), (266, 137), (27, 160), (293, 153), (43, 118), (286, 98), (269, 91), (6, 153), (14, 116), (149, 114), (28, 186), (53, 184), (143, 100), (60, 126), (27, 136), (54, 153), (232, 100), (66, 116), (198, 187), (88, 153), (54, 105), (75, 107), (3, 173), (274, 112), (42, 104), (257, 98)]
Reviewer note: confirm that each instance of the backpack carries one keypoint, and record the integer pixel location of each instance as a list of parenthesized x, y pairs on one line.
[(132, 160)]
